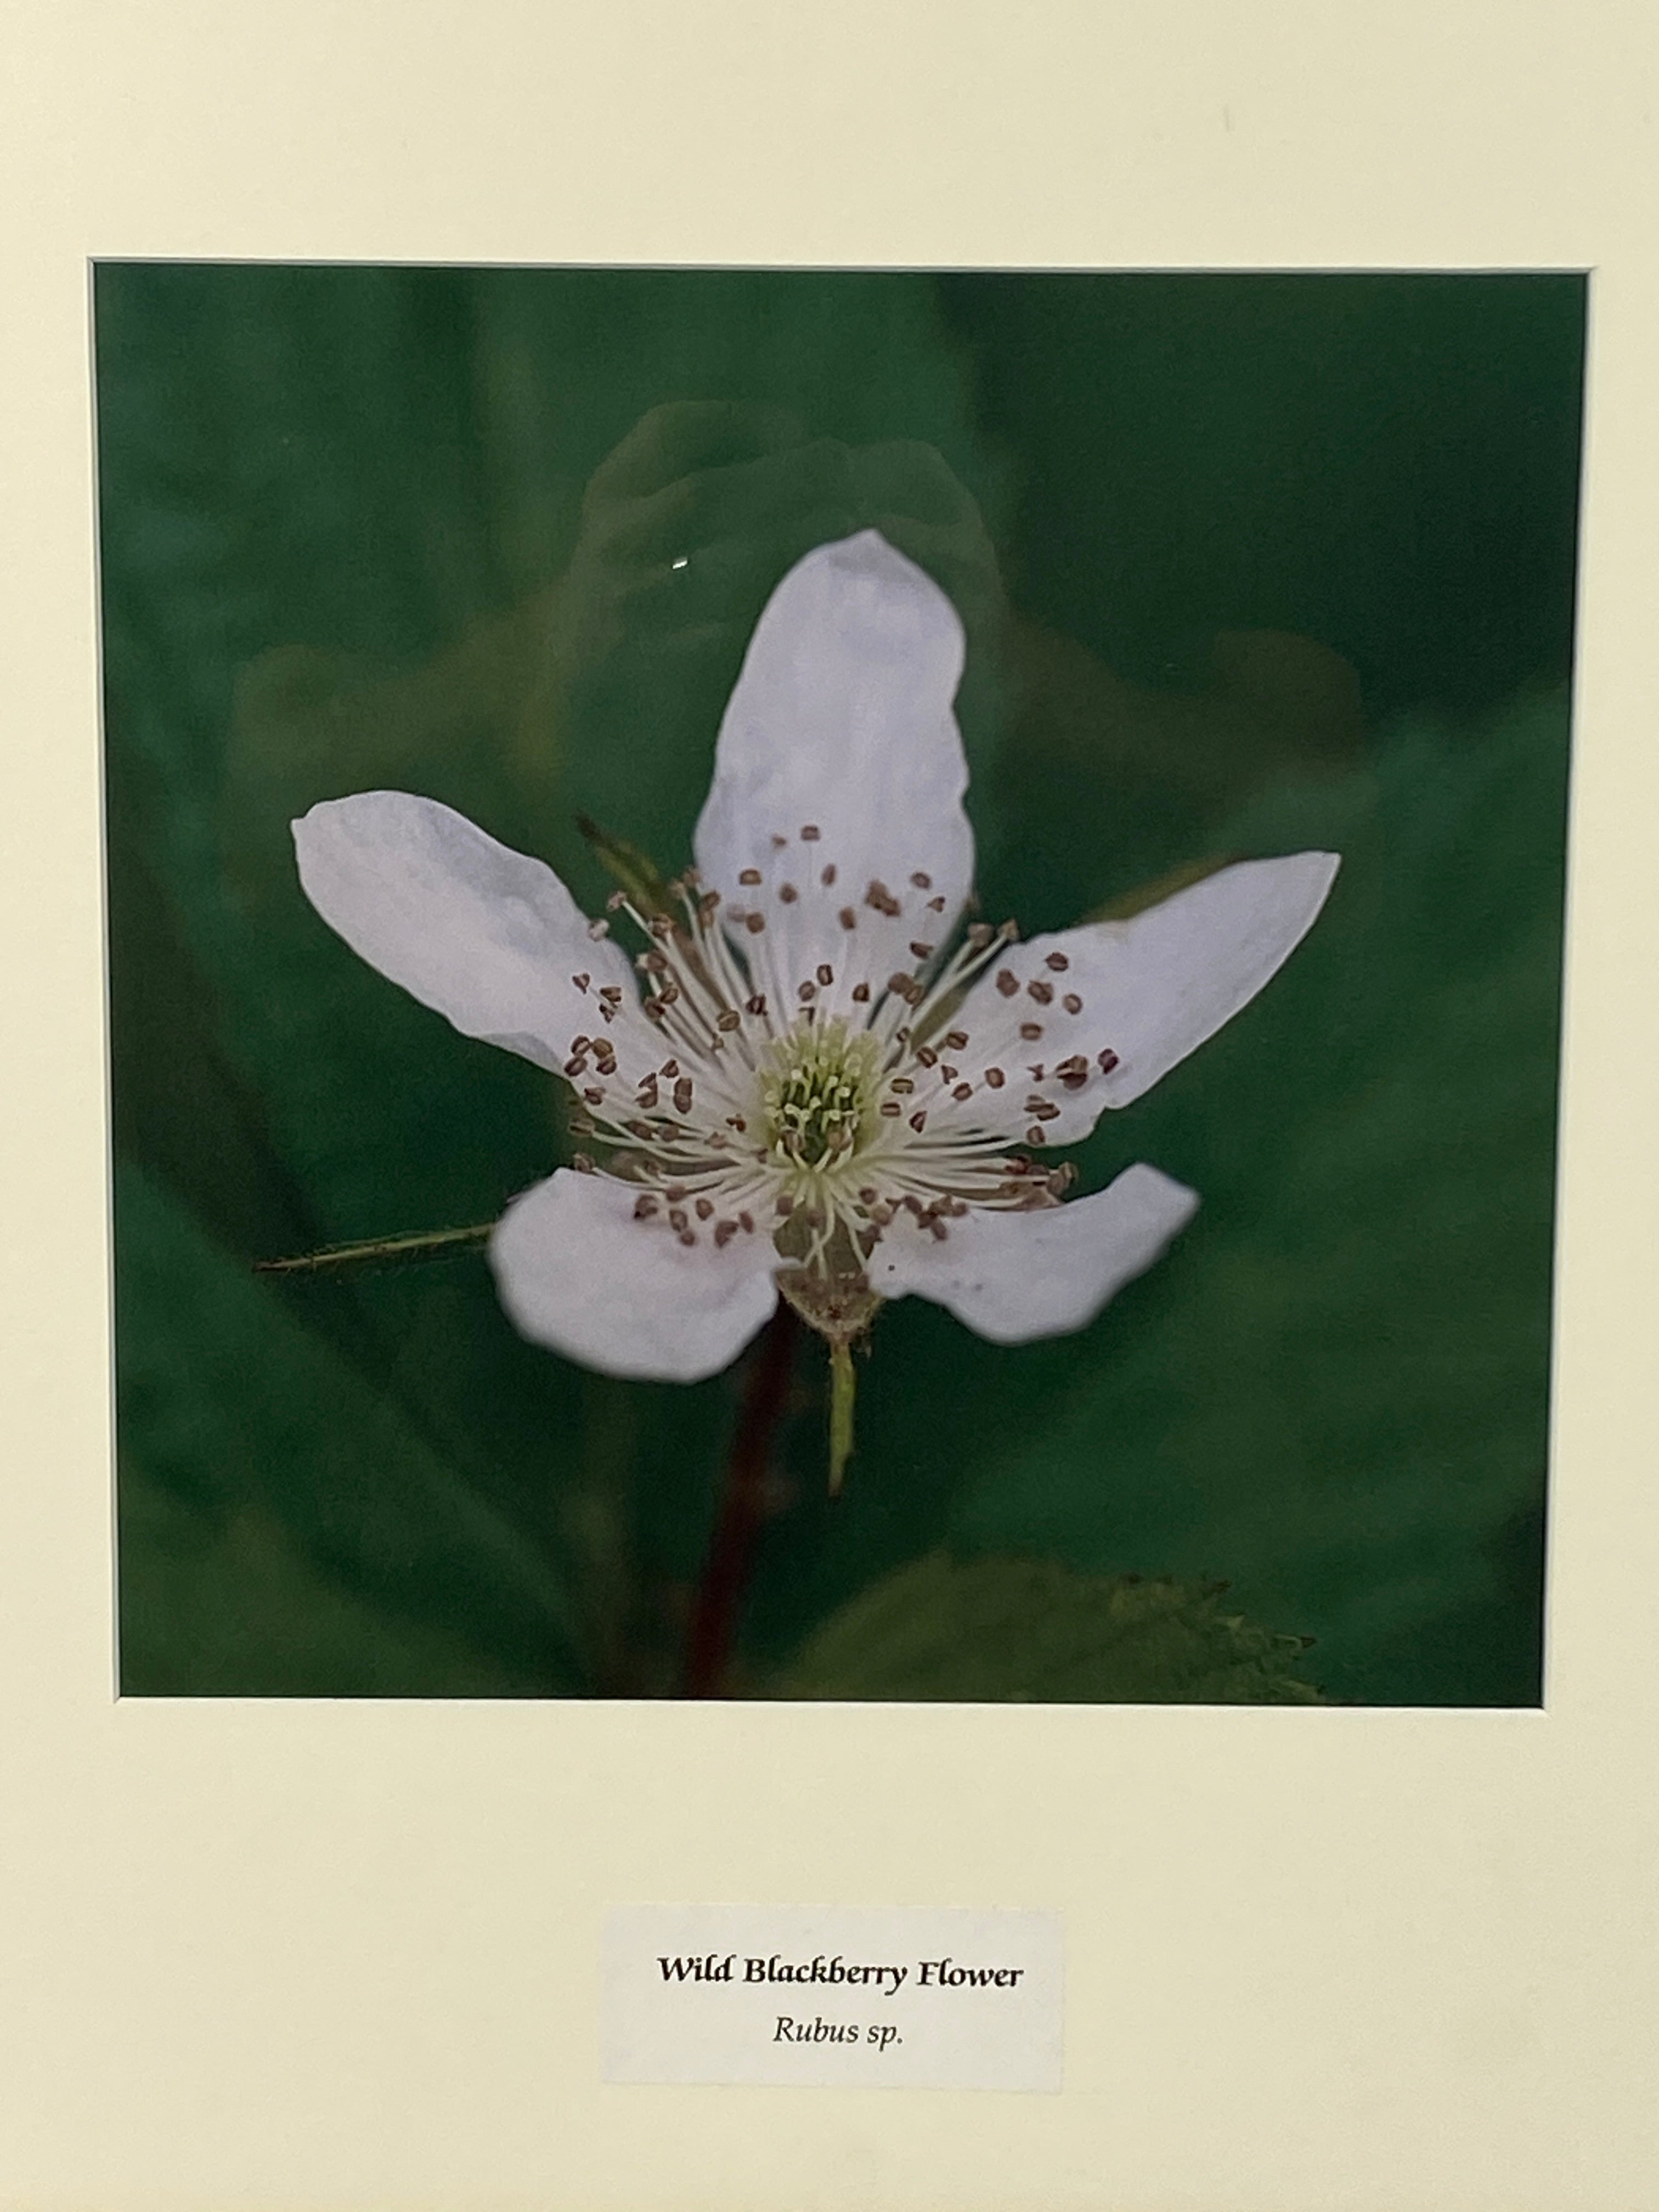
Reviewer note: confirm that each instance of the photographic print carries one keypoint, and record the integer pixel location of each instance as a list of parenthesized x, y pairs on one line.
[(835, 985)]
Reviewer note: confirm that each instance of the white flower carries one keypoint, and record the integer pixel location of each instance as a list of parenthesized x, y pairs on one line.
[(823, 1086)]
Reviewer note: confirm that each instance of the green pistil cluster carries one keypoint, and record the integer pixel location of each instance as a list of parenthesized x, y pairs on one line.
[(818, 1094)]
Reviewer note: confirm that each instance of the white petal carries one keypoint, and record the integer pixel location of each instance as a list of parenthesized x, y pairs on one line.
[(1012, 1276), (841, 722), (485, 936), (577, 1273), (1149, 989)]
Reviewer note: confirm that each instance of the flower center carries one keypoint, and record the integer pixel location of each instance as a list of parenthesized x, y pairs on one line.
[(817, 1083)]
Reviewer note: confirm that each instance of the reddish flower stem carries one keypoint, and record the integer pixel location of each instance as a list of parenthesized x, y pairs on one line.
[(731, 1555)]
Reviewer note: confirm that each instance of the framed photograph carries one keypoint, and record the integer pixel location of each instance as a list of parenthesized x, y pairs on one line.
[(755, 1265), (829, 1128)]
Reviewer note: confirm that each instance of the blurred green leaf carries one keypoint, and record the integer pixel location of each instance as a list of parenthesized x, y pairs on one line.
[(991, 1630)]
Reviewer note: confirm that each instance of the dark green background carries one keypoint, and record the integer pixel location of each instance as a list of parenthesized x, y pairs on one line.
[(1287, 560)]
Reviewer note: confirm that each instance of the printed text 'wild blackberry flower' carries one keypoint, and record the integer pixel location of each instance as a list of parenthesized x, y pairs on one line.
[(808, 1079)]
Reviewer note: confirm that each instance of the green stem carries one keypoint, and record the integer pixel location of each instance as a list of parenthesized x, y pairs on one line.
[(417, 1244), (842, 1386)]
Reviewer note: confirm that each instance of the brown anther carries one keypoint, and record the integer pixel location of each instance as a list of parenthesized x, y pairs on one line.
[(728, 1019), (828, 875), (1106, 1062), (724, 1232), (1043, 1109), (862, 994), (806, 993), (980, 934), (1007, 981), (705, 1209), (736, 1121), (785, 1206), (940, 1231), (640, 1129), (1009, 931), (848, 919), (1062, 1179), (612, 993), (688, 1236), (956, 1039), (677, 1216), (1037, 1072), (936, 905), (615, 903), (576, 1066), (868, 1194), (900, 985), (1075, 1066), (670, 1067), (709, 905), (948, 1074), (669, 995), (903, 1084), (644, 1207), (594, 1097), (1035, 1136), (927, 1055), (584, 1164), (882, 899), (919, 1119), (809, 832), (1041, 992), (754, 923), (655, 1011), (598, 928), (913, 1205), (746, 1223), (778, 841), (682, 1095), (677, 1194), (922, 881), (1057, 961), (963, 1091), (609, 1013), (1072, 1003), (867, 1238), (891, 1108), (756, 1006), (748, 875), (1075, 1082), (995, 1077), (922, 952), (652, 962), (1030, 1031), (647, 1092), (826, 973), (788, 894)]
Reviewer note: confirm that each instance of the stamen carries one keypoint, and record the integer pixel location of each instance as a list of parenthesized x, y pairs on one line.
[(748, 876), (1057, 961), (828, 875), (788, 894), (1007, 982), (809, 832)]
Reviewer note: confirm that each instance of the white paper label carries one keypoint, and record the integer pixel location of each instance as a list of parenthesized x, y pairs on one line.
[(831, 1997)]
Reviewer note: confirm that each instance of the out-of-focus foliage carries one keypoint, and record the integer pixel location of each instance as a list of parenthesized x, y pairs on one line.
[(366, 527), (999, 1629)]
